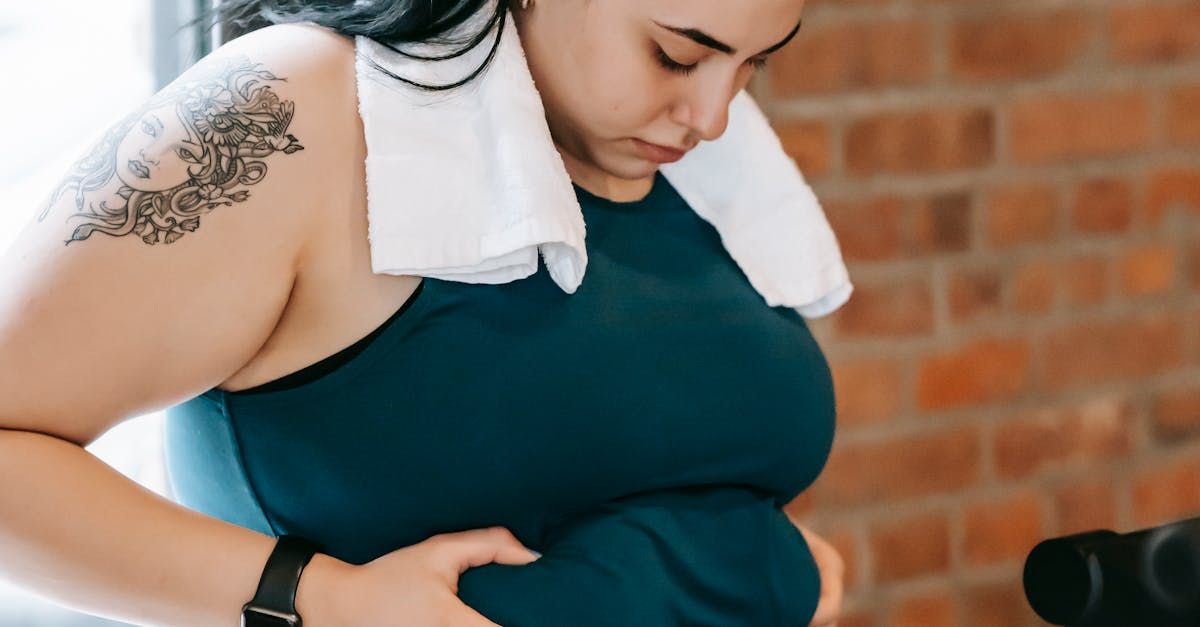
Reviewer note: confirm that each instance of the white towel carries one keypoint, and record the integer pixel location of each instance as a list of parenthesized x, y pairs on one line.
[(467, 185)]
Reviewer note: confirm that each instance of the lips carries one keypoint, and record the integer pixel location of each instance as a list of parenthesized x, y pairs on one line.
[(139, 168), (670, 148), (658, 152)]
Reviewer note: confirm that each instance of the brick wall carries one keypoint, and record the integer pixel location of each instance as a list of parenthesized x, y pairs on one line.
[(1016, 189)]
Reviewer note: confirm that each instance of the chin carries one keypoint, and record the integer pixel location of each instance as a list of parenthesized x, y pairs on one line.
[(632, 167)]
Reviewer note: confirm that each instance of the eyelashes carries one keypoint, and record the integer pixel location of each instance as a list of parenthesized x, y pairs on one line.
[(670, 64), (679, 68)]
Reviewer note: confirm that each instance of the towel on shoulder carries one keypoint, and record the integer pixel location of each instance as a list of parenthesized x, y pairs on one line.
[(466, 185)]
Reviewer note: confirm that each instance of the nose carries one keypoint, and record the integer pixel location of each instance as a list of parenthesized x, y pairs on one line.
[(704, 108)]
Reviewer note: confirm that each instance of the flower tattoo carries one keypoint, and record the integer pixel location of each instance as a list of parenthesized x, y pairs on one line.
[(192, 147)]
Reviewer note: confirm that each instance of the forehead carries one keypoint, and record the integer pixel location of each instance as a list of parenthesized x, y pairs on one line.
[(747, 25)]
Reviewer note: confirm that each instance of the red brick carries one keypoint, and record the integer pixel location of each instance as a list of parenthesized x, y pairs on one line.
[(1092, 352), (1029, 44), (1183, 114), (910, 547), (870, 230), (1065, 127), (1086, 280), (925, 610), (1022, 214), (861, 617), (1002, 530), (1148, 269), (1194, 263), (924, 141), (852, 55), (867, 390), (975, 294), (1150, 32), (941, 223), (984, 370), (896, 308), (900, 467), (1103, 206), (1084, 506), (1171, 187), (1194, 317), (1166, 492), (1177, 414), (1055, 439), (999, 604), (1034, 286), (808, 143)]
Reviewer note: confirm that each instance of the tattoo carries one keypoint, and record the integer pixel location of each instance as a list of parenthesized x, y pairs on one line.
[(190, 148)]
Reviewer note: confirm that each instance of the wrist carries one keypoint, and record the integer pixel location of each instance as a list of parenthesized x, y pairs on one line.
[(319, 599)]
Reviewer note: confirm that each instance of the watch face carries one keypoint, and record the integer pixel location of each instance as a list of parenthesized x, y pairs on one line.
[(252, 617)]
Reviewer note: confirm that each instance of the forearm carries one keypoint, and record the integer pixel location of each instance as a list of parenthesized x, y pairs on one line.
[(75, 530)]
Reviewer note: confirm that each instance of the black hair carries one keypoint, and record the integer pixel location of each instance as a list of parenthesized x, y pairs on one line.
[(388, 22)]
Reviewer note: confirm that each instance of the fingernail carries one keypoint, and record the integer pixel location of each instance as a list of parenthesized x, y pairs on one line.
[(535, 553)]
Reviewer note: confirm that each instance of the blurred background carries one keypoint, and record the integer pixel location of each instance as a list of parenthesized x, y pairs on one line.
[(1016, 188)]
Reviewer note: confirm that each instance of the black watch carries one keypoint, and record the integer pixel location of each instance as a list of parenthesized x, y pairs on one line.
[(274, 603)]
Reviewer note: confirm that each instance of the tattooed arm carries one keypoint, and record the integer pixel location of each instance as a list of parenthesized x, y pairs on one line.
[(158, 267)]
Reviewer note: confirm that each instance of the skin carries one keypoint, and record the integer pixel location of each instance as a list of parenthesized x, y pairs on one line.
[(146, 157), (597, 69), (196, 146)]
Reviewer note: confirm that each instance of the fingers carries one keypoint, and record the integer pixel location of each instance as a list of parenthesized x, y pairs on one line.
[(830, 606), (476, 547), (832, 569)]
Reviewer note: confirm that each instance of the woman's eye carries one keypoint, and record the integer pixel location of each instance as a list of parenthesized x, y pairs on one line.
[(672, 65), (149, 129)]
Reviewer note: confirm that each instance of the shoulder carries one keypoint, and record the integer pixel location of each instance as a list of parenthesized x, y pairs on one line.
[(311, 64), (203, 194), (307, 73), (303, 48)]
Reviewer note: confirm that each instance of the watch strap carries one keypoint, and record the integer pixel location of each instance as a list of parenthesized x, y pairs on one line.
[(281, 578)]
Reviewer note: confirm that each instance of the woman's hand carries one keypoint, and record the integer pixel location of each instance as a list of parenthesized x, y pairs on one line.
[(832, 568), (417, 586)]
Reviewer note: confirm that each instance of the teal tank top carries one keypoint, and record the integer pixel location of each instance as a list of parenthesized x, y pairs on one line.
[(642, 433)]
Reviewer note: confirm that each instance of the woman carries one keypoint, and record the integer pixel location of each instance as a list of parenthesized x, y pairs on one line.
[(630, 431)]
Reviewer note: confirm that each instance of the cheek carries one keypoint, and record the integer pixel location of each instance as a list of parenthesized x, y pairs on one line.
[(169, 160), (160, 148), (629, 90)]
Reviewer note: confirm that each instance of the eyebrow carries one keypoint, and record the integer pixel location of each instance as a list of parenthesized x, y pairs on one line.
[(705, 39)]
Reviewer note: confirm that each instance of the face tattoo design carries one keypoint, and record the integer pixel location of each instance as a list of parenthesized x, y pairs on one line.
[(190, 148)]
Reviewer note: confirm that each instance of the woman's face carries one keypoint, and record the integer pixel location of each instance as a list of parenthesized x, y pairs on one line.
[(147, 158), (597, 66)]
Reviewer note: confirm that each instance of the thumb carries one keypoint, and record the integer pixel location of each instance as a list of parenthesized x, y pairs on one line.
[(516, 553), (498, 544)]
